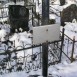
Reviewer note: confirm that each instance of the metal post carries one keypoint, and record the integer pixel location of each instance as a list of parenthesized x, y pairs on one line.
[(45, 12), (45, 21), (38, 18), (67, 46), (45, 60), (32, 17), (62, 41), (72, 59)]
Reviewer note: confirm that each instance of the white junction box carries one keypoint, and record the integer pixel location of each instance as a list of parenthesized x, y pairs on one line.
[(46, 33)]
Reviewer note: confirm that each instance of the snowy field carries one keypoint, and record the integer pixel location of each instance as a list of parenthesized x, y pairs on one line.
[(63, 69)]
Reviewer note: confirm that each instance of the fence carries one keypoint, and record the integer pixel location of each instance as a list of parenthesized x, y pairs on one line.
[(69, 47), (36, 17), (11, 62), (3, 2), (3, 12)]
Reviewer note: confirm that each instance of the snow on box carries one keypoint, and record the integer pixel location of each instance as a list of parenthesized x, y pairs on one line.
[(46, 33)]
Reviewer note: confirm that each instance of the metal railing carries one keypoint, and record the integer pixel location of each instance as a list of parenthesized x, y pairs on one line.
[(69, 47), (3, 12), (11, 62), (4, 9)]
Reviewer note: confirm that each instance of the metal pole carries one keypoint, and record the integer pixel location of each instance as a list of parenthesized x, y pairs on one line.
[(45, 12), (32, 17), (45, 60), (38, 18), (62, 41), (45, 21), (72, 59)]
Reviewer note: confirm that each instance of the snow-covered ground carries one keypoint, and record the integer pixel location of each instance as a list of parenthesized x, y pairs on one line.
[(63, 69)]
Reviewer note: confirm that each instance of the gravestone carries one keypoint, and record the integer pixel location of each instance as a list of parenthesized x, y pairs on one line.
[(68, 14), (18, 17)]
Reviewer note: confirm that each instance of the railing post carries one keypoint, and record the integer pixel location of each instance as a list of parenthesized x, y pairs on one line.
[(38, 18), (62, 41), (67, 46), (72, 59), (45, 59), (45, 21), (32, 16)]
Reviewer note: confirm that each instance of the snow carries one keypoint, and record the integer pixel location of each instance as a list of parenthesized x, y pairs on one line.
[(68, 70), (71, 29), (59, 70), (63, 69), (52, 16)]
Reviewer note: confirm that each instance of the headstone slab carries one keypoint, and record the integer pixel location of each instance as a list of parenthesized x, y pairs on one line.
[(18, 17), (46, 33), (68, 14)]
